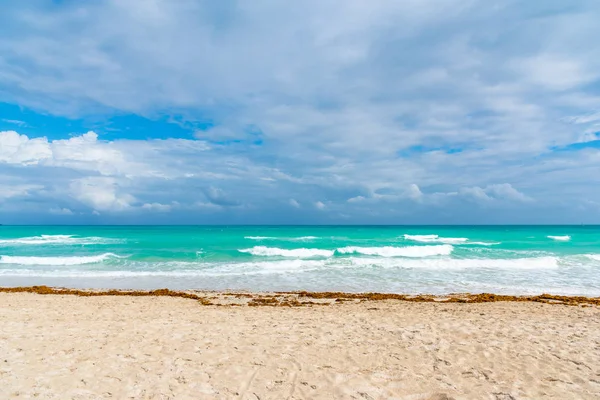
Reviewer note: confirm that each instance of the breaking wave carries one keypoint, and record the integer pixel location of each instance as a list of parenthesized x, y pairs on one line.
[(57, 240), (55, 261), (385, 251), (434, 239), (291, 239), (389, 251), (298, 253), (564, 238)]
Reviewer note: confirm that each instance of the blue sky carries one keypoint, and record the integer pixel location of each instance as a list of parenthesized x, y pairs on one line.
[(387, 112)]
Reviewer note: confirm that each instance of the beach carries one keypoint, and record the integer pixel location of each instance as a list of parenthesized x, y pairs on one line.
[(162, 347)]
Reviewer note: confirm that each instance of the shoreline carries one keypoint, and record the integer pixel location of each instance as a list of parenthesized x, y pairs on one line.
[(305, 298)]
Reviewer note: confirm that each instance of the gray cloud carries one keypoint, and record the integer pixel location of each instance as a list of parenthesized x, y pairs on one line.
[(395, 103)]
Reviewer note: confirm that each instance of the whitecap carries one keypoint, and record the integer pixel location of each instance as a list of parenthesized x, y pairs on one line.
[(390, 251), (435, 239), (57, 240), (564, 238), (276, 251), (292, 239)]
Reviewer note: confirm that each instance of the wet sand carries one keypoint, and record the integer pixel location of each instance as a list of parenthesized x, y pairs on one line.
[(168, 347)]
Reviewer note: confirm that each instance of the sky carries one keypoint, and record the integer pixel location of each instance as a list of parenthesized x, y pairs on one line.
[(305, 112)]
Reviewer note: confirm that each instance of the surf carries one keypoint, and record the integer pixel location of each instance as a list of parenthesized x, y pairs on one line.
[(390, 251), (56, 261), (564, 238), (57, 240), (276, 251), (435, 239)]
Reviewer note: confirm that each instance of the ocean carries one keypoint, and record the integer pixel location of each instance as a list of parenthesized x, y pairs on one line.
[(398, 259)]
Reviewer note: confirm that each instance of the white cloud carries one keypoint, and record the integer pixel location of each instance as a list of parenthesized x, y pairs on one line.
[(157, 207), (79, 152), (294, 203), (15, 122), (320, 205), (8, 191), (555, 72), (413, 192), (61, 211), (476, 193), (19, 149), (506, 191), (101, 193), (503, 191)]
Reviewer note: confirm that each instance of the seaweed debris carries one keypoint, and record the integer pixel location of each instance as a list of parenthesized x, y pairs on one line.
[(304, 298), (92, 293)]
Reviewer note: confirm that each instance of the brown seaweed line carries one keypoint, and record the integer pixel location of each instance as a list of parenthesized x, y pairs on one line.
[(89, 293), (271, 300), (467, 298)]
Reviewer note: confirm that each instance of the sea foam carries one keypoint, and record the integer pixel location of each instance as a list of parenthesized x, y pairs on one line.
[(55, 261), (564, 238), (454, 263), (276, 251), (390, 251), (283, 238), (57, 240), (434, 239)]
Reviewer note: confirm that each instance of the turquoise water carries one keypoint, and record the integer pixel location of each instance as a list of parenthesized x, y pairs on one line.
[(427, 259)]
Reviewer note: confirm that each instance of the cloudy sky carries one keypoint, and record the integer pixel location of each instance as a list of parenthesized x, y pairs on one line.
[(333, 112)]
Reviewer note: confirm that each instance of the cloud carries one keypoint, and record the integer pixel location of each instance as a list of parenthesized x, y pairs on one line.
[(319, 205), (503, 191), (413, 192), (101, 193), (15, 122), (8, 191), (303, 101), (61, 211), (157, 207), (554, 72), (18, 149), (218, 197), (506, 191)]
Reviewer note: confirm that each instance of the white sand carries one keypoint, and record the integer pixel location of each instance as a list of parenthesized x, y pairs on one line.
[(67, 347)]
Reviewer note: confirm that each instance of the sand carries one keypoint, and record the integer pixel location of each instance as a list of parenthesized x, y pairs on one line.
[(69, 347)]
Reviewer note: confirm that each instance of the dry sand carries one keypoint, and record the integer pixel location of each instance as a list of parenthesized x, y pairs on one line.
[(68, 347)]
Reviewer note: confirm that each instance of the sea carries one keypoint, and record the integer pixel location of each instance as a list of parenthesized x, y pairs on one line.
[(394, 259)]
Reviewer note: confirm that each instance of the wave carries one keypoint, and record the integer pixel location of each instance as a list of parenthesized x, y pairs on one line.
[(564, 238), (187, 269), (389, 251), (434, 239), (276, 251), (57, 239), (484, 243), (595, 257), (291, 239), (55, 261), (468, 263), (385, 251)]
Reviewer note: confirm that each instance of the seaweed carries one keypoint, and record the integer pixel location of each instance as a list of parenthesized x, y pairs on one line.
[(44, 290), (304, 298)]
